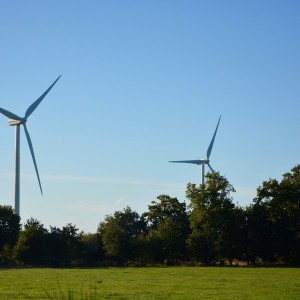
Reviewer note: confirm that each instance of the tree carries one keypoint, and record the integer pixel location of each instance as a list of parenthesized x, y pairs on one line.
[(57, 250), (63, 245), (9, 226), (233, 238), (31, 246), (280, 204), (119, 233), (72, 237), (91, 248), (168, 228), (260, 238), (215, 221)]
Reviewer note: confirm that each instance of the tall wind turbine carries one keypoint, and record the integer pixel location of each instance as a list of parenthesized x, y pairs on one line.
[(202, 162), (15, 120)]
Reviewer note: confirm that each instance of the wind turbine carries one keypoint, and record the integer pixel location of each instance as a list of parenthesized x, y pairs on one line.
[(202, 162), (15, 120)]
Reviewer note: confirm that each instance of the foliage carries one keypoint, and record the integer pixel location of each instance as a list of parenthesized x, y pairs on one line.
[(215, 221), (91, 248), (274, 223), (63, 245), (30, 247), (9, 232), (119, 233), (37, 245), (213, 230), (9, 226), (168, 228)]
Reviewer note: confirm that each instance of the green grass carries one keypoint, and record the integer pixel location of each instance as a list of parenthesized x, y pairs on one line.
[(151, 283)]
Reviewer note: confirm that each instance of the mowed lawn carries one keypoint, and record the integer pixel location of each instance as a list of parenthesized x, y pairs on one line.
[(151, 283)]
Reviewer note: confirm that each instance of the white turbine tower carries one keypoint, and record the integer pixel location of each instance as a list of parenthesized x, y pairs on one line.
[(202, 162), (15, 120)]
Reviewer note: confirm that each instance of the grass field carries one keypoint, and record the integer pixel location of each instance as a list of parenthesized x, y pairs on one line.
[(151, 283)]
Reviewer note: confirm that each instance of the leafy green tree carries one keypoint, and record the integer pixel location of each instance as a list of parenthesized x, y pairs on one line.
[(260, 237), (234, 235), (6, 255), (37, 245), (119, 233), (9, 226), (168, 228), (280, 203), (57, 250), (62, 245), (91, 247), (215, 221), (72, 236), (31, 246)]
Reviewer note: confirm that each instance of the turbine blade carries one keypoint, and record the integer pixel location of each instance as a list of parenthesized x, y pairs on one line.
[(9, 114), (210, 167), (32, 154), (195, 162), (212, 141), (35, 104)]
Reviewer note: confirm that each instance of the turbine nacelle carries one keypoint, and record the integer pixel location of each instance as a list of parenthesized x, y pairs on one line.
[(205, 161), (13, 122)]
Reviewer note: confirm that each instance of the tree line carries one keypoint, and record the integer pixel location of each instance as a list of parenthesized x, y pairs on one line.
[(210, 229)]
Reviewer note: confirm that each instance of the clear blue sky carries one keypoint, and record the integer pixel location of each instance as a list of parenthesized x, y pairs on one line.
[(144, 82)]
